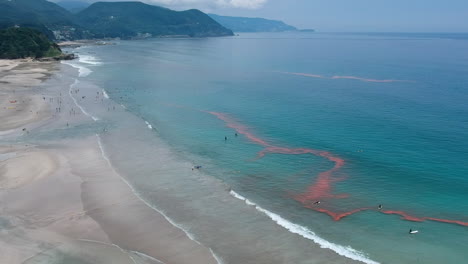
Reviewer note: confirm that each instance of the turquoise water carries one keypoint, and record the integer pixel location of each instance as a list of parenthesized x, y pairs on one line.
[(389, 111)]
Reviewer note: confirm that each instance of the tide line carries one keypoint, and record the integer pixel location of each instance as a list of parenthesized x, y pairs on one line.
[(187, 233), (77, 104)]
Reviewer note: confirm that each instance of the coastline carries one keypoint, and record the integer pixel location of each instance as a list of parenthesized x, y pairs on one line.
[(61, 199), (197, 203)]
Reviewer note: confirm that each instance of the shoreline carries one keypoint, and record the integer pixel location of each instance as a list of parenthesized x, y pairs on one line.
[(58, 195), (170, 242), (325, 248), (201, 205)]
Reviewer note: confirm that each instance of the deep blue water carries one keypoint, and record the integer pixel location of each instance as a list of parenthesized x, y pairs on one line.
[(393, 107)]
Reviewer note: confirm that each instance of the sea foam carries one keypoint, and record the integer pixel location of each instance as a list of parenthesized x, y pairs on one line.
[(149, 125), (82, 71), (345, 251), (104, 93), (88, 59), (77, 104)]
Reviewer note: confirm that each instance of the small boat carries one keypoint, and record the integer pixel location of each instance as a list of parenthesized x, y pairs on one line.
[(413, 231)]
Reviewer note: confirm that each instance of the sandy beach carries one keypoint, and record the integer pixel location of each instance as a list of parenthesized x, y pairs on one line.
[(61, 201)]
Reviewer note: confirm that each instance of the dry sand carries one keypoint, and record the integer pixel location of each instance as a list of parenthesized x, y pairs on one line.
[(62, 202), (20, 104)]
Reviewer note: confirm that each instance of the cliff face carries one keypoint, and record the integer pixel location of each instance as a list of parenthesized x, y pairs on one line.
[(135, 19)]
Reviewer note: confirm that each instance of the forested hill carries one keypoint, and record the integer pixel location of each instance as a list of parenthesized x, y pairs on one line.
[(47, 17), (136, 19), (107, 19), (16, 43)]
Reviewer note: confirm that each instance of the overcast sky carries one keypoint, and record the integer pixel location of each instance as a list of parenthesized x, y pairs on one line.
[(342, 15)]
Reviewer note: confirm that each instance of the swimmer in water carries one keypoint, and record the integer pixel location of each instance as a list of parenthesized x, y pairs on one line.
[(225, 138), (380, 207)]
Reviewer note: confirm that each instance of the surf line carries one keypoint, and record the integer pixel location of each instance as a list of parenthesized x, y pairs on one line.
[(322, 188)]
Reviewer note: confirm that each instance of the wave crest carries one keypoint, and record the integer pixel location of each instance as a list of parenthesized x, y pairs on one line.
[(345, 251)]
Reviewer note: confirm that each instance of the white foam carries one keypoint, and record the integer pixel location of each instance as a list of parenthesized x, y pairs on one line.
[(149, 125), (111, 245), (189, 235), (148, 257), (217, 258), (345, 251), (105, 94), (76, 103), (82, 71), (88, 59)]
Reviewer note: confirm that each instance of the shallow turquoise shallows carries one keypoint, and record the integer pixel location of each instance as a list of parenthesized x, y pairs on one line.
[(319, 129)]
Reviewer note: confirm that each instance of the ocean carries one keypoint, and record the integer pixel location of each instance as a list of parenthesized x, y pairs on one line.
[(300, 137)]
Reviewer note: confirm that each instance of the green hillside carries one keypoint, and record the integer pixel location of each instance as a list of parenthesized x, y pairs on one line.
[(135, 19), (107, 20), (47, 17), (18, 43)]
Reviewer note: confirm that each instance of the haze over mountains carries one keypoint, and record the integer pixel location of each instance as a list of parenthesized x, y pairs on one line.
[(248, 24), (73, 6)]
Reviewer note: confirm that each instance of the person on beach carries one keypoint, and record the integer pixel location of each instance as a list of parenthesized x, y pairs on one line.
[(317, 202)]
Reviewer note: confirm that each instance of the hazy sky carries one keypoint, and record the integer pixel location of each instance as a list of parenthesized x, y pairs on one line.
[(343, 15)]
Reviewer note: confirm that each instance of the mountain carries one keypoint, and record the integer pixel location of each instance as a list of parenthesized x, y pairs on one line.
[(18, 43), (136, 19), (73, 6), (107, 19), (49, 18), (248, 24)]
